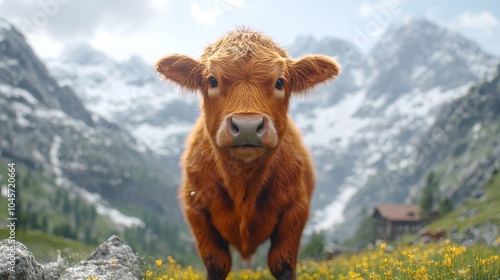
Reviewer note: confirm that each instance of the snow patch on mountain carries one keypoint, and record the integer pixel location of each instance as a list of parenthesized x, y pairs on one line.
[(114, 215), (129, 93), (163, 140), (54, 160), (93, 198), (338, 123), (413, 111)]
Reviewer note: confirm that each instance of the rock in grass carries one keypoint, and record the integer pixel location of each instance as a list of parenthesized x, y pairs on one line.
[(18, 263), (98, 269), (113, 259), (114, 249)]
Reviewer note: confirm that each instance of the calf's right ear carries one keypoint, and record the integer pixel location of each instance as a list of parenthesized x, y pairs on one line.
[(311, 70), (182, 70)]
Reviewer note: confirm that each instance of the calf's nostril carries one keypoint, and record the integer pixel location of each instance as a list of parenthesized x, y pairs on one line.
[(233, 129), (261, 129)]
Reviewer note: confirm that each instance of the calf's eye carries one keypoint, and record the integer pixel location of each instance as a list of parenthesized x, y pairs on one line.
[(213, 82), (279, 84)]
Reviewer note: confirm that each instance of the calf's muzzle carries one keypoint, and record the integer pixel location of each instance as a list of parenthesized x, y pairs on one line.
[(247, 131), (239, 130)]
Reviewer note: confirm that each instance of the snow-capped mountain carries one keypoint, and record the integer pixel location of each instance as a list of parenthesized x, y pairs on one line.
[(368, 120), (47, 129), (420, 55), (129, 93), (413, 70)]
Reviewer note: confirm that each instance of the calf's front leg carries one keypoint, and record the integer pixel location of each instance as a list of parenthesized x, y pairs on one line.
[(285, 242), (212, 247)]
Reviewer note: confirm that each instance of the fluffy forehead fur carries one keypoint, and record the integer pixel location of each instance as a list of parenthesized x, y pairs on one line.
[(243, 55), (243, 43)]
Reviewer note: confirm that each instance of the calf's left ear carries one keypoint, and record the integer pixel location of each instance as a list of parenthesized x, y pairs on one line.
[(181, 69), (311, 70)]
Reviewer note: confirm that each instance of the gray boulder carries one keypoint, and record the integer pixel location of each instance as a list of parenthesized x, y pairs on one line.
[(18, 263), (113, 259), (98, 269), (115, 249)]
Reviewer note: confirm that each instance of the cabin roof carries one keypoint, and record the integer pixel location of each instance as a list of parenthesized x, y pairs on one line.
[(398, 212)]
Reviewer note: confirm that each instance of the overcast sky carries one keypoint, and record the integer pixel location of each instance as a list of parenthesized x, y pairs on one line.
[(153, 28)]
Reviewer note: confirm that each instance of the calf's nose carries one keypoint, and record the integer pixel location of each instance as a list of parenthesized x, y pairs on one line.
[(247, 130)]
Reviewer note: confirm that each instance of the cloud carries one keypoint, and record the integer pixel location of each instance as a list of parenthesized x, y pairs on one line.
[(368, 10), (71, 18), (484, 21), (213, 10), (161, 5), (480, 20), (207, 16)]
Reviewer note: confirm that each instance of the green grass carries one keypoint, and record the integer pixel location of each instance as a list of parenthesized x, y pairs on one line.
[(425, 261), (479, 147), (488, 210), (44, 246)]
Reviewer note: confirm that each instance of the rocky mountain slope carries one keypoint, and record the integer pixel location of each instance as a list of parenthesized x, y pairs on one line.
[(461, 148), (131, 94), (463, 144), (397, 91), (47, 131), (367, 122)]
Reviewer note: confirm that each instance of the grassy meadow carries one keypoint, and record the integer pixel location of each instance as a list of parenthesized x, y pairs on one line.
[(425, 261)]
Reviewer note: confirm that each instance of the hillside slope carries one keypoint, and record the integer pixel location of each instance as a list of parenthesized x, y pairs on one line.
[(461, 148), (59, 145), (371, 134)]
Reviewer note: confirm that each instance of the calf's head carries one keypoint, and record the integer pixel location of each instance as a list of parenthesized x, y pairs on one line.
[(246, 81)]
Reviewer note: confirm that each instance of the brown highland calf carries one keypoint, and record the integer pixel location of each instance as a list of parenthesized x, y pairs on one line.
[(247, 176)]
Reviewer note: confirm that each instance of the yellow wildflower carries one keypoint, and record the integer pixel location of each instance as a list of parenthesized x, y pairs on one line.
[(447, 261), (464, 272), (383, 246)]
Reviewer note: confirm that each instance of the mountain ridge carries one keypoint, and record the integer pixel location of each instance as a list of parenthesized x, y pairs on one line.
[(46, 129), (366, 121), (381, 132)]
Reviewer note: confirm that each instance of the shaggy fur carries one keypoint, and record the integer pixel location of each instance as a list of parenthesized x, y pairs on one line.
[(242, 196)]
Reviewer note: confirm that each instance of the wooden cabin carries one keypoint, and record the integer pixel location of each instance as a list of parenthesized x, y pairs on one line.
[(394, 220)]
